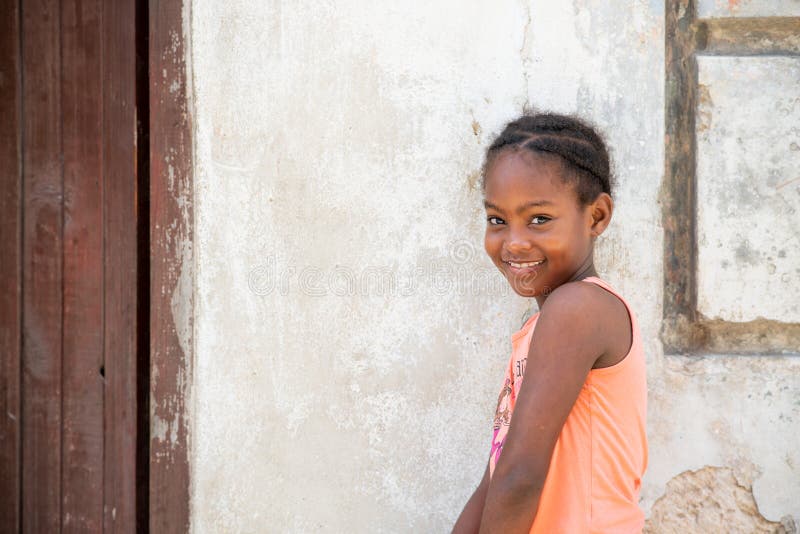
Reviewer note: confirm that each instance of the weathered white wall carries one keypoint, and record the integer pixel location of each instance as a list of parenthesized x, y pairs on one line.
[(350, 334)]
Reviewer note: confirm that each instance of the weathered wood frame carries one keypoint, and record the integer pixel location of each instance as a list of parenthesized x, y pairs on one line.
[(684, 329), (171, 265)]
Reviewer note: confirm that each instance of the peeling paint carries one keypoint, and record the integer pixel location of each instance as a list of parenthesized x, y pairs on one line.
[(183, 296), (172, 275)]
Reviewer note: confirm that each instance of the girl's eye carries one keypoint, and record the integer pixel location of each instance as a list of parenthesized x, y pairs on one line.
[(540, 219), (495, 221)]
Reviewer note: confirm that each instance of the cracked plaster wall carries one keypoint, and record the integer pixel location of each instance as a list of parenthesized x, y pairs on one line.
[(350, 335)]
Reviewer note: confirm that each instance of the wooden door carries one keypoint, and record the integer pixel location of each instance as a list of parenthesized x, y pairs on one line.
[(73, 265)]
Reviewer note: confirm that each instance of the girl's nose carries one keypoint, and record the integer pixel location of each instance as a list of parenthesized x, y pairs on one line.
[(518, 243)]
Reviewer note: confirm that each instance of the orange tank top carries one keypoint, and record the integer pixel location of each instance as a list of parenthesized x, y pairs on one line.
[(598, 461)]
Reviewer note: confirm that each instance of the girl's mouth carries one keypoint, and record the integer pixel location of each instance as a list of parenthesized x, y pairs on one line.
[(523, 267)]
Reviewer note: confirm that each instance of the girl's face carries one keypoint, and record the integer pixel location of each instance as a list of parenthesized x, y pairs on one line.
[(537, 232)]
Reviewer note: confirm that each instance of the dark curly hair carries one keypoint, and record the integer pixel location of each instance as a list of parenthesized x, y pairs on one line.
[(576, 144)]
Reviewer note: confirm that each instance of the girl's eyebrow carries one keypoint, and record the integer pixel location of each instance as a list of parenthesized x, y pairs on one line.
[(532, 204)]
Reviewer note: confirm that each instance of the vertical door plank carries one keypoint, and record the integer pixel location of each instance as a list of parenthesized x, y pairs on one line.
[(42, 267), (10, 273), (143, 279), (120, 223), (172, 274), (81, 97)]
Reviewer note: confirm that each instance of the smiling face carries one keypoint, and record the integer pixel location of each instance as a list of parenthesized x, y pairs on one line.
[(537, 232)]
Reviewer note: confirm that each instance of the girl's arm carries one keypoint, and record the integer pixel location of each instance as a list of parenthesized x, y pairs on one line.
[(470, 519), (571, 334)]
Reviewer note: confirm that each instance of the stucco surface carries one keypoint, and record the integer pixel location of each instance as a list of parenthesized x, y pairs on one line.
[(350, 335)]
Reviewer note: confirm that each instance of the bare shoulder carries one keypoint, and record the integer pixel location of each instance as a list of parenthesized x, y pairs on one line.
[(579, 298), (589, 311)]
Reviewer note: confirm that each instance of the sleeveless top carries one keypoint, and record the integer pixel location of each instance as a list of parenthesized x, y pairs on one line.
[(595, 472)]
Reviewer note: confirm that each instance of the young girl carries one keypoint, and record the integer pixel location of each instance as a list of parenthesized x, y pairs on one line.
[(569, 446)]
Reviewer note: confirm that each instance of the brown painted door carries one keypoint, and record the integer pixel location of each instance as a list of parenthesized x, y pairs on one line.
[(73, 301)]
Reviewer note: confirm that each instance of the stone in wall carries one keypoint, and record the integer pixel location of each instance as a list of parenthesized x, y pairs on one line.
[(711, 500)]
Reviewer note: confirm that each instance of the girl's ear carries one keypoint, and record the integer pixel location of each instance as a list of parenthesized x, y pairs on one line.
[(601, 210)]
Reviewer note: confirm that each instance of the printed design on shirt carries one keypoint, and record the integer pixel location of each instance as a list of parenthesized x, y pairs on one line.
[(502, 418), (519, 367)]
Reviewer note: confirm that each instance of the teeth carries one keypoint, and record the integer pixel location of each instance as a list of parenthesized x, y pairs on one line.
[(523, 265)]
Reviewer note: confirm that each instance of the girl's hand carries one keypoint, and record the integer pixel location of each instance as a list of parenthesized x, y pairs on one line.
[(470, 519)]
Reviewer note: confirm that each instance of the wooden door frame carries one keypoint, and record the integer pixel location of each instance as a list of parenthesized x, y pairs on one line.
[(171, 265)]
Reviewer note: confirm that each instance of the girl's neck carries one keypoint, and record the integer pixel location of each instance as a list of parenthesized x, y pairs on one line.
[(584, 272), (587, 270)]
